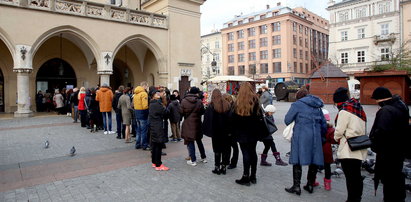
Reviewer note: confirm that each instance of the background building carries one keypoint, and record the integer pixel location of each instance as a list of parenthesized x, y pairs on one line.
[(276, 44), (405, 19), (363, 33), (211, 50), (55, 44)]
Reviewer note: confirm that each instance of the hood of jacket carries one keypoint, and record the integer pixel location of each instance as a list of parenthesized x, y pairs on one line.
[(139, 89), (104, 89), (312, 101), (192, 98)]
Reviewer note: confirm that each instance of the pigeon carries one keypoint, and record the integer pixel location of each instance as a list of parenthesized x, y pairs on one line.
[(370, 153), (72, 151), (337, 172), (46, 144)]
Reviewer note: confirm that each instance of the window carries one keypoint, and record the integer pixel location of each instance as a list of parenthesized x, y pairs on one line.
[(230, 36), (385, 54), (264, 68), (301, 54), (217, 57), (343, 16), (295, 67), (344, 36), (301, 41), (251, 43), (241, 70), (262, 17), (277, 40), (360, 12), (251, 31), (251, 56), (230, 70), (294, 26), (230, 47), (276, 26), (263, 42), (263, 55), (306, 68), (217, 44), (277, 53), (384, 29), (240, 22), (301, 68), (384, 7), (306, 55), (263, 29), (301, 28), (306, 31), (277, 67), (361, 56), (294, 39), (252, 69), (240, 34), (294, 53), (230, 58), (361, 33), (241, 57), (240, 45), (250, 19), (306, 43), (230, 24)]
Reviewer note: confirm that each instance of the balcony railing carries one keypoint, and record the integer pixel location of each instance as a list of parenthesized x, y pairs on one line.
[(93, 10), (384, 38)]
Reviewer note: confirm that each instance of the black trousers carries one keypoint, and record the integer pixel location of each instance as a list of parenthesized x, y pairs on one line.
[(156, 153), (249, 157), (327, 170), (392, 178), (234, 147), (269, 144), (353, 178)]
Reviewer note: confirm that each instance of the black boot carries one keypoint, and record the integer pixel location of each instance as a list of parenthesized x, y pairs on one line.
[(311, 175), (245, 180), (296, 181), (253, 179), (216, 170), (223, 169)]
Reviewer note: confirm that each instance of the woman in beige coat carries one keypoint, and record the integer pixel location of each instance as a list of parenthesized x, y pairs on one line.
[(124, 104), (350, 122)]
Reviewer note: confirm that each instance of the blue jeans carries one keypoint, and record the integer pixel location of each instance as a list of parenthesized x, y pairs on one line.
[(75, 113), (105, 121), (141, 133), (192, 150)]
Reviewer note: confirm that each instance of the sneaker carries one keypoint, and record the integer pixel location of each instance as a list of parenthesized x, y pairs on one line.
[(179, 139), (105, 132), (173, 140), (191, 163), (147, 149), (204, 160), (111, 132), (162, 168), (153, 165)]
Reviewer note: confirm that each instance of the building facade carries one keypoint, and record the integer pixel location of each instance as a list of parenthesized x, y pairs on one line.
[(55, 44), (405, 19), (363, 33), (211, 50), (277, 44)]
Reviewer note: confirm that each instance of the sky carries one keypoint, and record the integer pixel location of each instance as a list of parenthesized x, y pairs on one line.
[(216, 12)]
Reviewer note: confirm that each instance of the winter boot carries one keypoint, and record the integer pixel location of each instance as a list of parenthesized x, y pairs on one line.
[(223, 169), (311, 175), (216, 170), (297, 170), (278, 160), (253, 179), (263, 160), (327, 184), (245, 180)]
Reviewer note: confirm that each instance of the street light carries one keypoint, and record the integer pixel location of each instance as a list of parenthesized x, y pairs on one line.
[(214, 67)]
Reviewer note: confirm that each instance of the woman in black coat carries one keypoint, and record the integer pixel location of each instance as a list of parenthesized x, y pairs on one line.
[(215, 126), (156, 114)]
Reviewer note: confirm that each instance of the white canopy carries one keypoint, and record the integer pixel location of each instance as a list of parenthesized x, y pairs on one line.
[(218, 79)]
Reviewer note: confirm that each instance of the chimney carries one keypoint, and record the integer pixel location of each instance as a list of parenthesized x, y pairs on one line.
[(268, 6), (279, 4)]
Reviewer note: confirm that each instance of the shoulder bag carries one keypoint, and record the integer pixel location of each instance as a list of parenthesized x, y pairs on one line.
[(359, 142), (288, 131)]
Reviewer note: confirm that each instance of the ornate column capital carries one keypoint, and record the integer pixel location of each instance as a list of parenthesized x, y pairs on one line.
[(23, 58), (22, 70)]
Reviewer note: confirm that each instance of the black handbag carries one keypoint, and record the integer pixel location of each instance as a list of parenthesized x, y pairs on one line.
[(359, 142), (271, 127)]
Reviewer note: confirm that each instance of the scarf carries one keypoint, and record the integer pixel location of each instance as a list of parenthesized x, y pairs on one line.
[(352, 106)]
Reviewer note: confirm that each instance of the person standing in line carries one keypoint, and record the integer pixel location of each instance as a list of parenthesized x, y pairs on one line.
[(59, 101), (175, 118), (140, 103), (177, 94), (82, 107), (92, 109), (119, 121), (67, 103), (247, 128), (124, 105), (157, 111), (390, 142), (350, 122), (192, 109), (232, 139), (266, 98), (105, 99), (39, 101), (306, 143), (215, 125), (327, 150), (74, 102), (269, 141)]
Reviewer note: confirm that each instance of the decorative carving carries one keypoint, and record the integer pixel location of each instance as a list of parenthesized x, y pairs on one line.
[(22, 70), (159, 21), (95, 11), (23, 52), (107, 57), (68, 7), (40, 3), (139, 18), (185, 72), (105, 72), (9, 1), (117, 15)]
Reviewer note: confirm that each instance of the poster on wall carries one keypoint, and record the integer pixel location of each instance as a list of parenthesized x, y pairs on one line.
[(69, 87), (42, 85)]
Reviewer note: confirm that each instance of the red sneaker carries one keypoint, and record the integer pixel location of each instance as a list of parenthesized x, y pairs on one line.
[(153, 165), (162, 168)]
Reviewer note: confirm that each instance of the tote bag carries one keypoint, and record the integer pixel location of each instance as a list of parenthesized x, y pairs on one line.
[(288, 131)]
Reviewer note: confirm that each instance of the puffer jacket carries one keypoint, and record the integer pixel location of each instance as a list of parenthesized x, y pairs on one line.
[(140, 103), (192, 109), (105, 99)]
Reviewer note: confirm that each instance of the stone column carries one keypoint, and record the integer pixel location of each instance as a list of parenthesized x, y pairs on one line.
[(106, 68), (105, 77), (23, 68)]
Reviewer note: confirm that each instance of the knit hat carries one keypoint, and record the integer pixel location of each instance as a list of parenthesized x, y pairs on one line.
[(194, 90), (381, 93), (173, 97), (104, 85), (270, 108), (340, 95), (326, 114)]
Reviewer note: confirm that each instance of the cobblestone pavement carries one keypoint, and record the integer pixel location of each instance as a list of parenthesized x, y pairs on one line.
[(107, 169)]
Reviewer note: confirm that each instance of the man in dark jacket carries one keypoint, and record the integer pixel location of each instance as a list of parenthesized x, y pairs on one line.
[(119, 120), (175, 118), (192, 109), (388, 135), (74, 102)]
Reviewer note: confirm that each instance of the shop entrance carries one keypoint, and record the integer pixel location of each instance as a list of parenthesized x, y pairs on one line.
[(55, 74)]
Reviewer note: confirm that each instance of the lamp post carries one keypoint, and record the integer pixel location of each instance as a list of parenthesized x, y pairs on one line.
[(214, 67), (269, 81)]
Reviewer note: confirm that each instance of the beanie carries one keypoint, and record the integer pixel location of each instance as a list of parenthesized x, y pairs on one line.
[(194, 90), (270, 108), (381, 93), (340, 95)]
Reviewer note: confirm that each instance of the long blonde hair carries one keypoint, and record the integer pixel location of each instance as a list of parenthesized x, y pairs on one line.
[(82, 90), (246, 100)]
